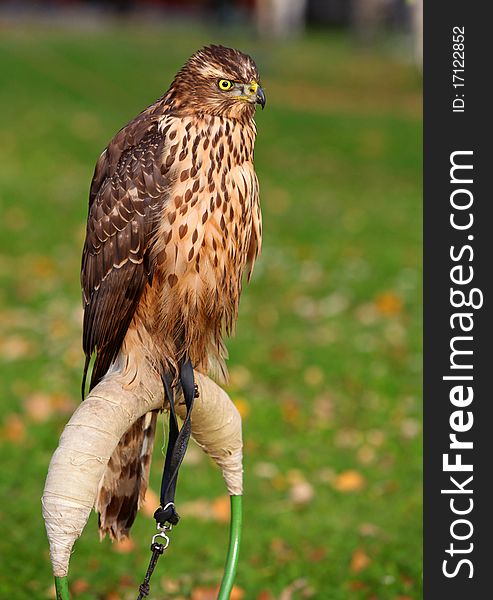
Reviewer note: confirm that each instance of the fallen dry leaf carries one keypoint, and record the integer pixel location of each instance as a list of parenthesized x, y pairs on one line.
[(251, 445), (281, 550), (170, 586), (323, 409), (317, 554), (124, 546), (347, 438), (366, 455), (334, 304), (44, 267), (326, 475), (210, 593), (237, 593), (239, 376), (357, 586), (369, 530), (359, 561), (151, 503), (279, 482), (13, 429), (15, 347), (79, 586), (126, 581), (349, 481), (38, 407), (389, 304), (198, 509), (297, 585), (366, 314), (93, 564), (376, 437), (265, 470), (204, 510), (410, 428), (221, 509), (204, 593), (295, 476), (59, 329), (242, 405), (290, 411), (406, 580), (301, 493)]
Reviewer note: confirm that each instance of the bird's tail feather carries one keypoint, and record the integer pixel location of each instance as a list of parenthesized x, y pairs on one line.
[(124, 483)]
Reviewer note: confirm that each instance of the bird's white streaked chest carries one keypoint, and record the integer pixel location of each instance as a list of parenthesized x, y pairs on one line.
[(207, 223)]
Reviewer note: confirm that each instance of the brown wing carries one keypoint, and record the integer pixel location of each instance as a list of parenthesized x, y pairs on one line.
[(127, 192)]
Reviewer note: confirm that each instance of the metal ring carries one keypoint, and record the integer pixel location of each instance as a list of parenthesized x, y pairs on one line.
[(161, 534)]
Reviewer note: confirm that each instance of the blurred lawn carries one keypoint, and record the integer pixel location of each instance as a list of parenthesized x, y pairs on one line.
[(326, 365)]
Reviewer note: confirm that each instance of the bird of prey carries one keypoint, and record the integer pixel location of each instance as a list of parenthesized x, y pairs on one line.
[(174, 220)]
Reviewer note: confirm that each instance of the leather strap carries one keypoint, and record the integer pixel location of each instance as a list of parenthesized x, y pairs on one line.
[(177, 443)]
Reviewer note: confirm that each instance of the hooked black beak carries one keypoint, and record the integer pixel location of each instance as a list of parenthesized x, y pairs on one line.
[(261, 99)]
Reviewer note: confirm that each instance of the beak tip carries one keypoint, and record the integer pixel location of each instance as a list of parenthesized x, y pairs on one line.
[(261, 99)]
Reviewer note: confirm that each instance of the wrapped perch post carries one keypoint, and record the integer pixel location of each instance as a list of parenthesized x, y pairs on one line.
[(93, 433)]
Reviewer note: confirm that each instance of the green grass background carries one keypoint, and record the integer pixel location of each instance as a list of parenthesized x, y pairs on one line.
[(326, 363)]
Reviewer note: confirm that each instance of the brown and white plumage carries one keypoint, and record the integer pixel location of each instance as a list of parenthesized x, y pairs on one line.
[(174, 220)]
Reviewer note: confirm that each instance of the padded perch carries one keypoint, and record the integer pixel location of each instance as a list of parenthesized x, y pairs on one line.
[(93, 432)]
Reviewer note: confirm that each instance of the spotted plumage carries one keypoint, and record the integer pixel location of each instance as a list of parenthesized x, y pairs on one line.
[(174, 221)]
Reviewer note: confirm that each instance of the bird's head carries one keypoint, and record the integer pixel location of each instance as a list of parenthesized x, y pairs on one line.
[(217, 81)]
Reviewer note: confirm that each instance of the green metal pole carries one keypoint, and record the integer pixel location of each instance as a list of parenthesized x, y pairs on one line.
[(233, 549), (61, 586)]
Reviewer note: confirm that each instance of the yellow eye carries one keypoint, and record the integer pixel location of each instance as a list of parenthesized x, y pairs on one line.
[(225, 84)]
